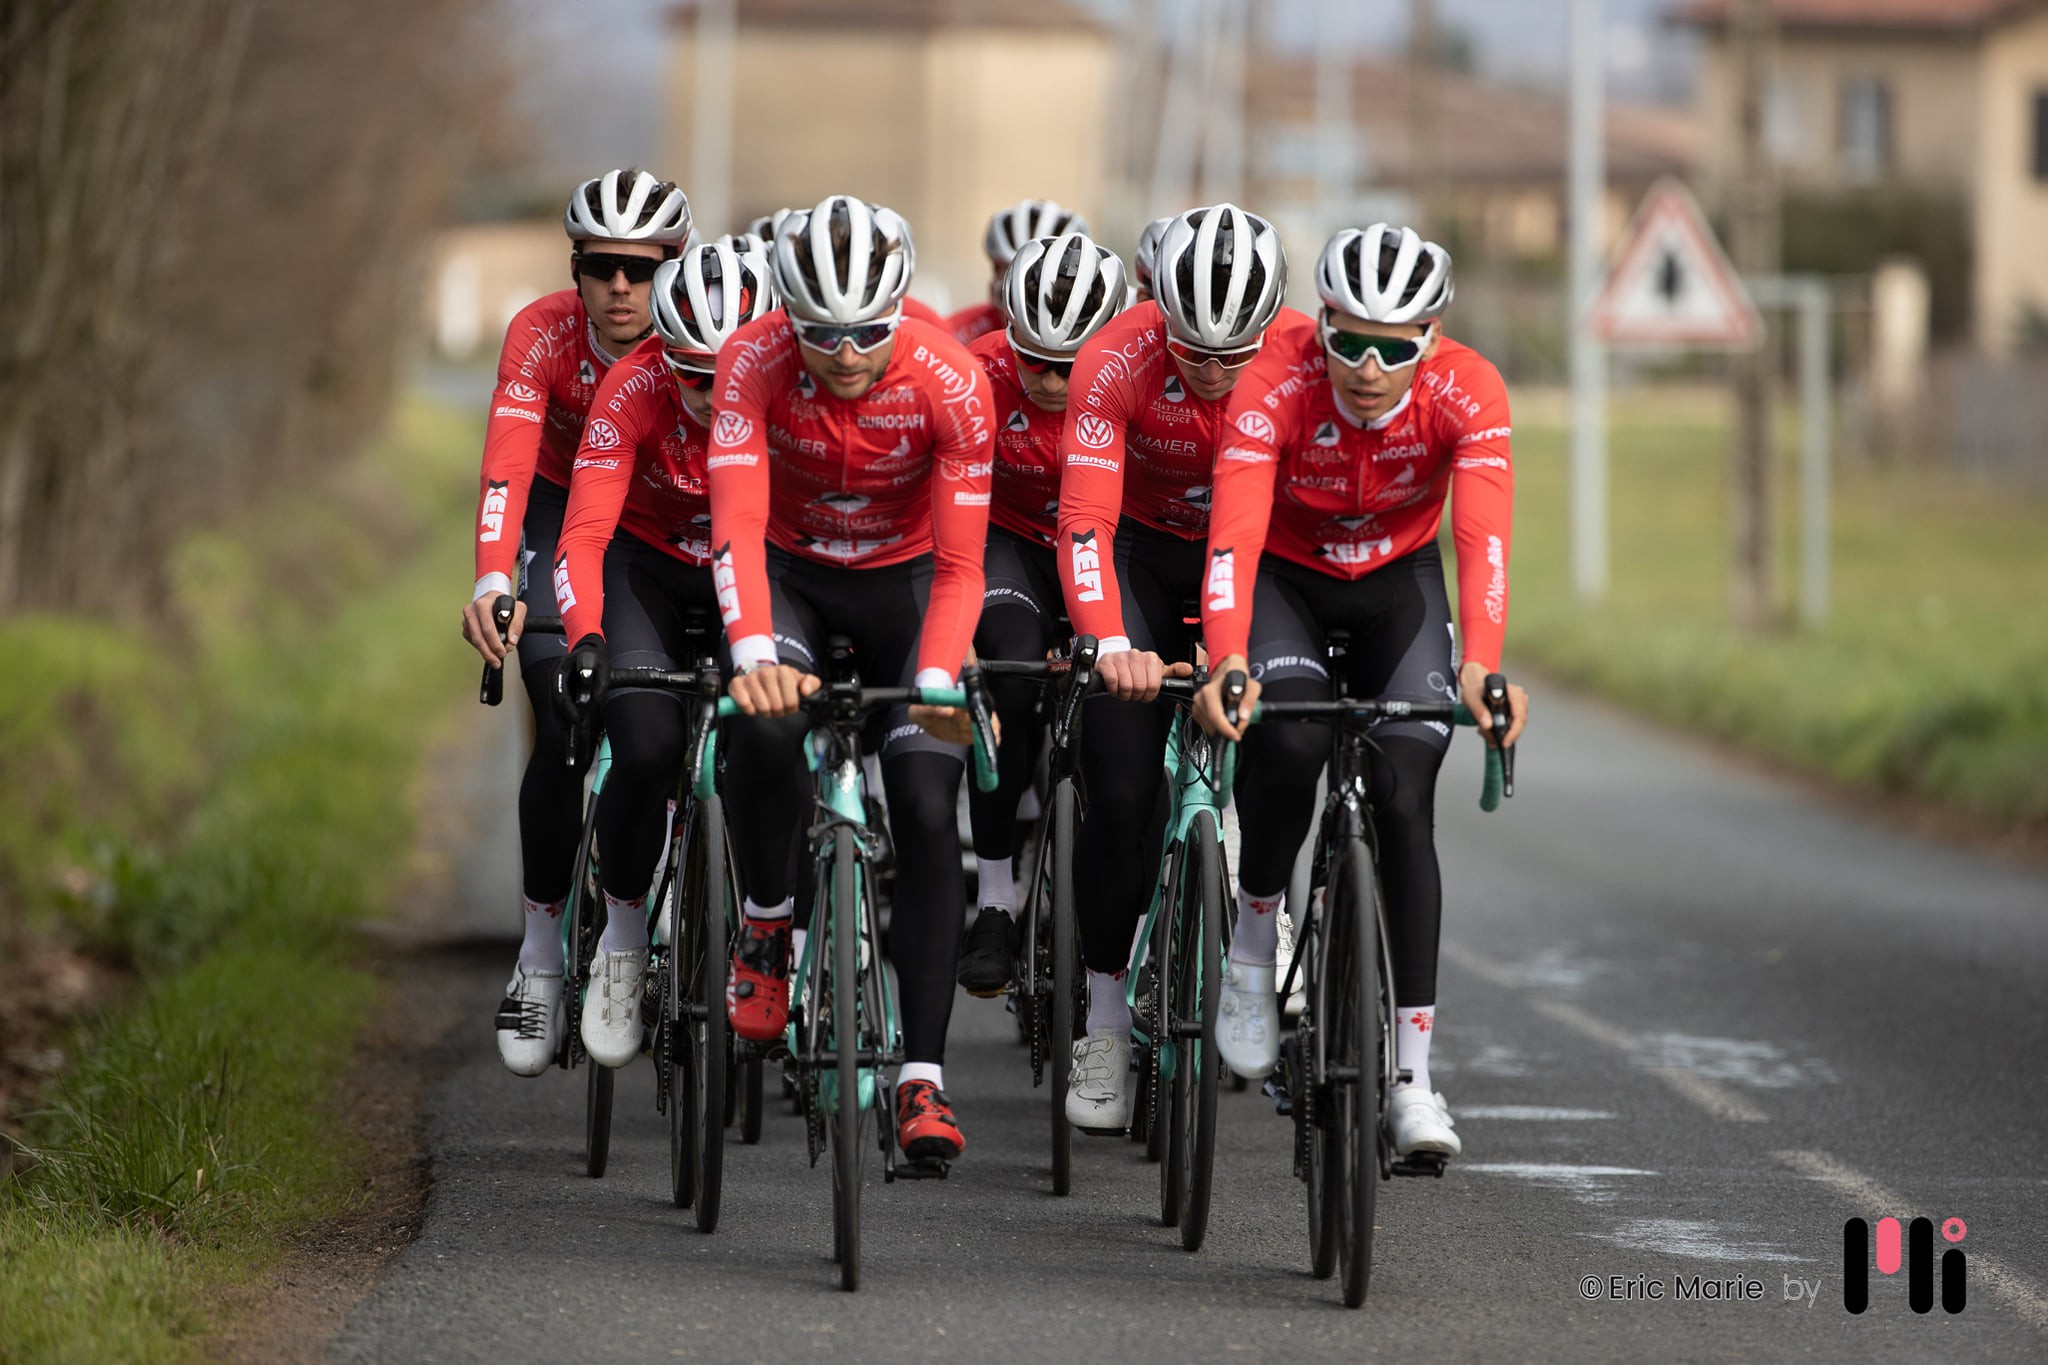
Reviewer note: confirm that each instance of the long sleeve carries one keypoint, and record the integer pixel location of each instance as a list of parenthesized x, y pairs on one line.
[(1482, 517), (962, 474), (1092, 453), (738, 465)]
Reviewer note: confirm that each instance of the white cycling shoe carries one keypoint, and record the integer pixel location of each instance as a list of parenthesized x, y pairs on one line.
[(530, 1021), (611, 1007), (1284, 963), (1248, 1021), (1099, 1094), (1419, 1121)]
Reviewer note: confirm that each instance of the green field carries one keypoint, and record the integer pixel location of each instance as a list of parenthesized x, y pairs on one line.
[(1929, 677)]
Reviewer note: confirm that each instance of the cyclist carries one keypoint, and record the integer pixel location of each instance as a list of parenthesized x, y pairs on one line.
[(1059, 292), (1146, 405), (626, 597), (849, 493), (1340, 451), (765, 226), (1008, 230), (1142, 258), (621, 225)]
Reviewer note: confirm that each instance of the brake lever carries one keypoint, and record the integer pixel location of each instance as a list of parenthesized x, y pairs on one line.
[(1496, 692), (492, 690)]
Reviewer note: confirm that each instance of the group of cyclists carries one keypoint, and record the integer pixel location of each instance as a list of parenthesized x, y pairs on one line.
[(766, 436)]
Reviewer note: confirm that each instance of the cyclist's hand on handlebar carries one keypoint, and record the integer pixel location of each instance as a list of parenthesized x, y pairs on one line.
[(1209, 707), (1472, 691), (584, 675), (951, 723), (1131, 674), (482, 632), (771, 689)]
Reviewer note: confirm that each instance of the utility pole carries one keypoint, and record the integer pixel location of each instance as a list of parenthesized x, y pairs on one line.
[(1425, 178), (1753, 239), (1335, 126), (711, 125), (1588, 175)]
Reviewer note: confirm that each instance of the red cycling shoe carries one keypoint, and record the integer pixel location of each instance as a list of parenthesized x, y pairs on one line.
[(925, 1126), (757, 996)]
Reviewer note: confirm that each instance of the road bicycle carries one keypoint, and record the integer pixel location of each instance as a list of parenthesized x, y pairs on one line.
[(844, 1034), (1339, 1063)]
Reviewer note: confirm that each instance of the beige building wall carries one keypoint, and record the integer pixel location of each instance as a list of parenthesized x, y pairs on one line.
[(1933, 107), (943, 125), (483, 274), (2012, 206)]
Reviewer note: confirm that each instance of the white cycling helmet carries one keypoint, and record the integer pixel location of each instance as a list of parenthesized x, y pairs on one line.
[(1219, 277), (845, 261), (1147, 253), (1060, 290), (1384, 274), (1024, 221), (622, 206), (705, 295)]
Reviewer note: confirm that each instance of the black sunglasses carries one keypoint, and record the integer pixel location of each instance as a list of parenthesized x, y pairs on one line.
[(602, 265)]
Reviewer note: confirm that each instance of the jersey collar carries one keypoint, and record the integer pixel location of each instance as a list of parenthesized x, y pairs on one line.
[(1377, 423)]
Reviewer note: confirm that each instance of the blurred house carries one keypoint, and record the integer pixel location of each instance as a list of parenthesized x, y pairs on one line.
[(481, 274), (1480, 161), (944, 110), (1945, 96)]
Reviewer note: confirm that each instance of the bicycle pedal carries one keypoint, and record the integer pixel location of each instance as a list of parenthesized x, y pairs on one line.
[(1422, 1164), (922, 1168), (1283, 1099)]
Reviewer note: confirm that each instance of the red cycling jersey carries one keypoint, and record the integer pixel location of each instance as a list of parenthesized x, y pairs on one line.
[(923, 312), (1027, 449), (1352, 497), (547, 376), (1127, 396), (975, 321), (901, 471), (640, 467)]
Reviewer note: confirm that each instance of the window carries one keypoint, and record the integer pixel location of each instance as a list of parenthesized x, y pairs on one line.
[(1866, 127), (1785, 121), (2041, 135)]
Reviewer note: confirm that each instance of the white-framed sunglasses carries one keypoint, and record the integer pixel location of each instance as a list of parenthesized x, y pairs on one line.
[(1392, 353)]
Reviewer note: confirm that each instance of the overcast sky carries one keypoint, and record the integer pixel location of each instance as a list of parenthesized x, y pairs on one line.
[(565, 50)]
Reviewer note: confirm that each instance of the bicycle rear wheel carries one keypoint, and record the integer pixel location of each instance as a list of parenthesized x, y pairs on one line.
[(844, 926), (1198, 970), (1355, 1058), (1066, 980)]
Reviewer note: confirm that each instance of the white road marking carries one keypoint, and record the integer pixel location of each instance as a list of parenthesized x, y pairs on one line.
[(1534, 1113), (1590, 1184), (1701, 1241), (1871, 1199), (1716, 1099)]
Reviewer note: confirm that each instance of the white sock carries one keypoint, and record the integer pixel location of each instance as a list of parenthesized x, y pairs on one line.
[(1411, 1041), (668, 834), (1029, 807), (998, 886), (540, 950), (922, 1071), (1256, 936), (1107, 1008), (783, 909), (625, 925), (796, 947)]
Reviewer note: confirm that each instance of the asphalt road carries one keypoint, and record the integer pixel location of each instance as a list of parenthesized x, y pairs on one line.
[(1690, 1022)]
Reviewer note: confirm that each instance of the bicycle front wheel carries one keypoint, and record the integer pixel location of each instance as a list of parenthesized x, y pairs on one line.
[(1354, 1041), (844, 926), (708, 889), (1066, 980), (1198, 971)]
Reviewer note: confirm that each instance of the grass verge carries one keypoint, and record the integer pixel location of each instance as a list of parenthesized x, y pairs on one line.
[(223, 809), (1929, 677)]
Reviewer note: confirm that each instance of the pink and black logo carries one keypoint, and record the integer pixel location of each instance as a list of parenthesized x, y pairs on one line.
[(1917, 1256)]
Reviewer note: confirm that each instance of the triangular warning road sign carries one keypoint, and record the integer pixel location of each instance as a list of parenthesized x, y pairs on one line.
[(1671, 284)]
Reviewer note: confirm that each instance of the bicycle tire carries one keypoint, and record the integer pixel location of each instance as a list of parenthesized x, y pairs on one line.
[(1151, 1087), (710, 885), (597, 1120), (1066, 982), (1358, 1111), (845, 930), (1169, 1065), (751, 1100), (1200, 1071), (598, 1086)]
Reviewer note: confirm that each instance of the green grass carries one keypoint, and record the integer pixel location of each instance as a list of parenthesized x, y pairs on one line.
[(198, 1127), (1929, 676)]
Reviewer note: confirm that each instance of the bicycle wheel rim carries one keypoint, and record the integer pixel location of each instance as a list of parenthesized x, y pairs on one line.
[(1066, 981), (597, 1120), (845, 931), (1361, 1109), (1202, 974), (1166, 1012), (708, 919)]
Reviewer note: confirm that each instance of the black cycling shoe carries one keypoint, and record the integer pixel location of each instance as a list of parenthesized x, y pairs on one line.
[(988, 959)]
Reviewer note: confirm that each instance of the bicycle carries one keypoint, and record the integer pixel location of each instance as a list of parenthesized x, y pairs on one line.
[(692, 910), (1339, 1064), (843, 1031)]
